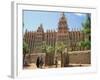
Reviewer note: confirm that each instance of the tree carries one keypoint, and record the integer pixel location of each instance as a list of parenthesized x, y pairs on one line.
[(50, 54), (44, 47), (87, 25), (66, 59), (86, 43), (49, 50), (25, 51), (60, 47)]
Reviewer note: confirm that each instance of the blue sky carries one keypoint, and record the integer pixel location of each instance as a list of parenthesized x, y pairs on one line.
[(32, 19)]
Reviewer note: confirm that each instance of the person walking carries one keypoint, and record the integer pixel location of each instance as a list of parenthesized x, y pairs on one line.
[(41, 62), (56, 62), (38, 62)]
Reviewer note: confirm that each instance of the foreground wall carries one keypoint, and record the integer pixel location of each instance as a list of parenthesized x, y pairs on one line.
[(80, 57), (75, 57)]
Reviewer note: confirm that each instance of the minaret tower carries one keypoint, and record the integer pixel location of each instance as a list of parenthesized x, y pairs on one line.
[(62, 24), (63, 32)]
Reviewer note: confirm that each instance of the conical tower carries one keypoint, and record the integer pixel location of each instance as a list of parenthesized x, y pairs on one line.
[(62, 24)]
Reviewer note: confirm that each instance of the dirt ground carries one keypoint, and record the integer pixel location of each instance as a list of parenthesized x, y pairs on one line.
[(33, 66)]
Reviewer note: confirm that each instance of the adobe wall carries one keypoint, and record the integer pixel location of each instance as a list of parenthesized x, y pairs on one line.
[(80, 58)]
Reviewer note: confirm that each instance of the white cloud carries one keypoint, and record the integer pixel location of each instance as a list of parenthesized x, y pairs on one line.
[(79, 14)]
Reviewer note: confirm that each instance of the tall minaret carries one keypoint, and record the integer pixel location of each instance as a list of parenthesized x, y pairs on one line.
[(63, 33), (62, 24)]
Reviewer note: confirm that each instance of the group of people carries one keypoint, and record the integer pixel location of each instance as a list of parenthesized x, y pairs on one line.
[(39, 62)]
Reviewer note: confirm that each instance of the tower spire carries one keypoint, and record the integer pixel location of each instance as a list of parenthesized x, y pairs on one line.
[(62, 24), (63, 15)]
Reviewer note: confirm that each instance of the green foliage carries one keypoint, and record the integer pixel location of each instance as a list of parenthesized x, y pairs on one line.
[(82, 44), (87, 25), (86, 43), (25, 51), (47, 48), (44, 47), (50, 49), (25, 48), (60, 46)]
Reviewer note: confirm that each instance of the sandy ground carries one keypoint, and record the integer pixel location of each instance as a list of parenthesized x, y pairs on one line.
[(33, 66)]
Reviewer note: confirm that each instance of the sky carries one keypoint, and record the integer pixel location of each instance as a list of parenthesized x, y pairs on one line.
[(49, 20)]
